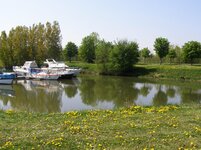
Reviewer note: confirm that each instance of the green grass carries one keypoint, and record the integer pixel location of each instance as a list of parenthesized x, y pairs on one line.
[(167, 127), (164, 71), (87, 68), (184, 72)]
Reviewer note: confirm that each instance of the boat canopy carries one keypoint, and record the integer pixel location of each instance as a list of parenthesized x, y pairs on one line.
[(30, 64)]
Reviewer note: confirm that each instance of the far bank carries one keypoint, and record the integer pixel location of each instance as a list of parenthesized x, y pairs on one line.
[(164, 71)]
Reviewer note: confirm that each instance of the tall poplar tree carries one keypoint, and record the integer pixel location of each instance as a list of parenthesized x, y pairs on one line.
[(4, 49), (53, 40)]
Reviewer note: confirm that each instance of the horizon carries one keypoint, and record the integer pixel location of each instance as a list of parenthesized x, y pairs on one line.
[(140, 21)]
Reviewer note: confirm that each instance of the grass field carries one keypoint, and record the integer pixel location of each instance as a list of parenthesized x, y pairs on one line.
[(164, 71), (167, 127), (184, 72)]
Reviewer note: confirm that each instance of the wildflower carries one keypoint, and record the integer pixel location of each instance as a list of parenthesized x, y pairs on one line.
[(9, 111)]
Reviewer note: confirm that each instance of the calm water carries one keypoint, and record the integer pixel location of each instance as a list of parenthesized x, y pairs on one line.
[(89, 92)]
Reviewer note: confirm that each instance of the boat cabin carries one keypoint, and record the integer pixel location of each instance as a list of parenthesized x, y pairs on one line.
[(30, 64)]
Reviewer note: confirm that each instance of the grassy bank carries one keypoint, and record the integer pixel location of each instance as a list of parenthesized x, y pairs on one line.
[(179, 72), (166, 127)]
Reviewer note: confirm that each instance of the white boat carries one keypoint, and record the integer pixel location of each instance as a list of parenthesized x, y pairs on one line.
[(25, 70), (44, 75), (30, 70), (7, 78), (63, 74), (52, 64)]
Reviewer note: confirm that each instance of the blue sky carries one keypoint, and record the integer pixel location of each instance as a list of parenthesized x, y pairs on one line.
[(137, 20)]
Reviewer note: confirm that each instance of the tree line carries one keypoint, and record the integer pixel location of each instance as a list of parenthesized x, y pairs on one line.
[(42, 41), (120, 56), (37, 42), (188, 53)]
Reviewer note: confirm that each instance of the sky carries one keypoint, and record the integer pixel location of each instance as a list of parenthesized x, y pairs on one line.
[(141, 21)]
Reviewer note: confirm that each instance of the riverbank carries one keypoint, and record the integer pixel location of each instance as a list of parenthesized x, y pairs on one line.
[(167, 127), (167, 71)]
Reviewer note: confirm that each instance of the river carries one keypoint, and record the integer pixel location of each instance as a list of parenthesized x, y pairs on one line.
[(95, 92)]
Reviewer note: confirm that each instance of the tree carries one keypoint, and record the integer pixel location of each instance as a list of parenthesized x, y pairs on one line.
[(41, 52), (32, 42), (172, 53), (4, 49), (102, 55), (145, 53), (18, 37), (178, 51), (191, 50), (123, 56), (70, 50), (53, 40), (88, 46), (161, 46)]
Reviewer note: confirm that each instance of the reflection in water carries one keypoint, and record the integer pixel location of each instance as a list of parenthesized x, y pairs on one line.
[(170, 92), (6, 92), (94, 92), (37, 96), (160, 97)]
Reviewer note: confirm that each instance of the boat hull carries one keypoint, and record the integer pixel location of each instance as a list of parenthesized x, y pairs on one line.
[(6, 81), (66, 76), (45, 77)]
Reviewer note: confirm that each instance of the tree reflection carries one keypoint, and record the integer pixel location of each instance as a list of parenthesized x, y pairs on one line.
[(116, 90), (160, 98), (189, 95), (6, 93), (40, 98), (170, 92), (144, 91), (70, 87)]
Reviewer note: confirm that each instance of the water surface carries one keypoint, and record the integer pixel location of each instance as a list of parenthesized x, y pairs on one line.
[(95, 92)]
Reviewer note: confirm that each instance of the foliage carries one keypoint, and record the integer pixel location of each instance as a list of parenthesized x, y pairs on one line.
[(53, 40), (34, 43), (145, 53), (178, 51), (123, 56), (88, 46), (172, 54), (102, 55), (71, 50), (5, 53), (191, 50), (161, 46)]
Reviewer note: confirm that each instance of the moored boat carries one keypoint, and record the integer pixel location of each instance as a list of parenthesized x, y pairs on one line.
[(7, 78), (44, 75), (52, 64), (25, 70), (30, 70)]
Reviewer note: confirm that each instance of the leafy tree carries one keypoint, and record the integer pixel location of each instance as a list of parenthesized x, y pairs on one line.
[(88, 46), (32, 42), (41, 51), (53, 40), (19, 38), (161, 46), (70, 50), (178, 51), (4, 49), (123, 56), (172, 54), (145, 53), (191, 50), (102, 55)]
